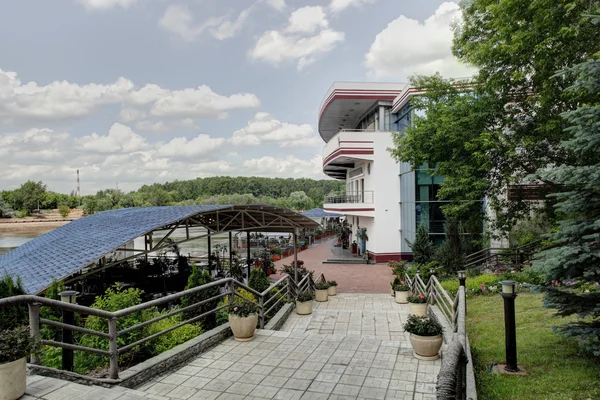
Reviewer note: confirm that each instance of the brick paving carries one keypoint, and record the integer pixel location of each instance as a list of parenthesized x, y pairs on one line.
[(351, 278)]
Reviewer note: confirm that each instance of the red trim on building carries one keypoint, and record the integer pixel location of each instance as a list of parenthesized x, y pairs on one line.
[(348, 209), (356, 141), (342, 152), (385, 257)]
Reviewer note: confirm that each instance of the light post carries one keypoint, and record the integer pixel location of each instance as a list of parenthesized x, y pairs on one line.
[(510, 329), (68, 317), (462, 277)]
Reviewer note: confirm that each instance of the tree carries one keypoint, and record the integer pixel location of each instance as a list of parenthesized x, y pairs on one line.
[(29, 196), (422, 248), (575, 255), (507, 122), (199, 278), (451, 254)]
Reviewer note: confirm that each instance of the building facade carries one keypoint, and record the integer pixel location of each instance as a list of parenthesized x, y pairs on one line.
[(384, 200)]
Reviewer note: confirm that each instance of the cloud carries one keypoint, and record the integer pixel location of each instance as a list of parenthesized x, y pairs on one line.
[(393, 55), (278, 5), (264, 128), (336, 6), (198, 146), (106, 4), (288, 166), (120, 139), (303, 38), (66, 101), (162, 126)]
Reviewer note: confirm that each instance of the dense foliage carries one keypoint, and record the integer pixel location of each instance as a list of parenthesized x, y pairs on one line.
[(422, 247), (305, 296), (575, 255), (14, 316), (423, 326), (15, 344), (321, 286), (258, 280), (244, 309), (198, 278)]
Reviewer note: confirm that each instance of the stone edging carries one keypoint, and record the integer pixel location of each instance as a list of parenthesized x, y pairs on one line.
[(279, 319)]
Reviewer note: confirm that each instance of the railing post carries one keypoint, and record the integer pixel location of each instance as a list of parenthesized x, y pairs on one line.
[(34, 328), (114, 356), (261, 301), (231, 288), (68, 317)]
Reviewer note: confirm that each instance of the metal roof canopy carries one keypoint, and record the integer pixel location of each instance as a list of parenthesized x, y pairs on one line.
[(66, 250), (320, 213)]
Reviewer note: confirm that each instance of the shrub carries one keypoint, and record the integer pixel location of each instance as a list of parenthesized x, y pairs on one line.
[(417, 299), (321, 286), (199, 278), (401, 288), (170, 339), (13, 316), (305, 296), (302, 271), (15, 344), (223, 313), (259, 281), (423, 326), (332, 283), (422, 247), (396, 282), (472, 284), (243, 310), (64, 210)]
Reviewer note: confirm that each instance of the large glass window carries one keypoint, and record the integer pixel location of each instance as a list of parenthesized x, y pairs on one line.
[(428, 207), (371, 121), (402, 118)]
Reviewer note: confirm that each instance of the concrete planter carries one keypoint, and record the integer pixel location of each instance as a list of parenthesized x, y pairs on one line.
[(243, 327), (321, 295), (13, 379), (392, 293), (426, 347), (402, 297), (332, 291), (418, 309), (303, 308)]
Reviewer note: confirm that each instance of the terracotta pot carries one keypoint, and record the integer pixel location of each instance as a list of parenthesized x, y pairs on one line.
[(426, 347), (418, 309), (243, 327), (321, 295), (332, 291), (13, 379), (402, 297), (304, 307)]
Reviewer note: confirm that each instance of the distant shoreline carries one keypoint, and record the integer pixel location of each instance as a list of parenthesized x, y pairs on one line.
[(26, 225)]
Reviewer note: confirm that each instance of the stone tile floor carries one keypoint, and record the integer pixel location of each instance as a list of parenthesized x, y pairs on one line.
[(351, 347)]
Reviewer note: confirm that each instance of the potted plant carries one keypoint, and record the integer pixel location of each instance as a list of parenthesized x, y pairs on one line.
[(242, 320), (304, 303), (402, 291), (15, 346), (418, 305), (321, 289), (425, 337), (396, 282), (332, 289)]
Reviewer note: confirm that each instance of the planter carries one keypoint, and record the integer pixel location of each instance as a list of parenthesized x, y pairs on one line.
[(418, 309), (321, 295), (303, 308), (275, 257), (426, 347), (332, 291), (392, 293), (243, 327), (13, 379), (402, 298)]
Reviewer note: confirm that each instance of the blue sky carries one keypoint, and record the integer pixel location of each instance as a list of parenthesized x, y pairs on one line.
[(143, 91)]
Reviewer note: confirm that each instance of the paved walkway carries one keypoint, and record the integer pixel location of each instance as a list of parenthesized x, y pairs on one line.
[(351, 278), (351, 347)]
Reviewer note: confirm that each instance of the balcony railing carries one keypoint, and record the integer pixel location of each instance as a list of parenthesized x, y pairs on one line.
[(364, 197)]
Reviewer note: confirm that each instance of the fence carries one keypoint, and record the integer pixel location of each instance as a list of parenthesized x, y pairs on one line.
[(361, 196), (282, 290)]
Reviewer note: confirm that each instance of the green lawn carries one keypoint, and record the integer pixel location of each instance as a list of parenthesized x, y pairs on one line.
[(556, 369)]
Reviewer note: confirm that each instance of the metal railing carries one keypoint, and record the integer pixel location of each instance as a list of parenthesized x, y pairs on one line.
[(282, 290), (359, 197), (495, 258)]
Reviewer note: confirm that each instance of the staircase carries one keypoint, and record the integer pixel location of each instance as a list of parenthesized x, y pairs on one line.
[(499, 259)]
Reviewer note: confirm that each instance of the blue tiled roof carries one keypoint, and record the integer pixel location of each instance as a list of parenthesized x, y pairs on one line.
[(67, 249), (320, 213)]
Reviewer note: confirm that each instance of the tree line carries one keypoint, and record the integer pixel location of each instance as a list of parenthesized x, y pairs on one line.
[(296, 194)]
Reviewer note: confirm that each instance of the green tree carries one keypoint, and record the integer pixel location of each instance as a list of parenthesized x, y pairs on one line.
[(575, 255), (199, 278), (422, 247), (11, 317), (29, 196)]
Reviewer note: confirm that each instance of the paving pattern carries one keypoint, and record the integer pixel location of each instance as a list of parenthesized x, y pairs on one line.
[(351, 347)]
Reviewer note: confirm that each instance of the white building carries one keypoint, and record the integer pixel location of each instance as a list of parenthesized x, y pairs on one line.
[(387, 198)]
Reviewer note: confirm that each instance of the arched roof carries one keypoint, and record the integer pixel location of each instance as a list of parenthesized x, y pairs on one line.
[(80, 243), (320, 213)]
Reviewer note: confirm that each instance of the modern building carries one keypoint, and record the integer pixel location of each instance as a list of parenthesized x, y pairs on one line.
[(384, 199)]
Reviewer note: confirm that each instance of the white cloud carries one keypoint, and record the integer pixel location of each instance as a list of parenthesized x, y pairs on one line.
[(263, 128), (178, 19), (407, 46), (278, 5), (339, 5), (131, 114), (120, 139), (106, 4), (299, 40), (288, 166), (162, 126), (198, 146), (226, 28)]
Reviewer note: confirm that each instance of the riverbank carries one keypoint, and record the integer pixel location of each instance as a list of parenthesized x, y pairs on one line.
[(14, 225)]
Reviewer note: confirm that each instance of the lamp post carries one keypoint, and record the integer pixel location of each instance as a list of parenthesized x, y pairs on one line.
[(68, 317), (510, 329), (462, 277)]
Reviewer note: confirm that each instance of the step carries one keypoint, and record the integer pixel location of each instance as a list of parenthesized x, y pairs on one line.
[(356, 260)]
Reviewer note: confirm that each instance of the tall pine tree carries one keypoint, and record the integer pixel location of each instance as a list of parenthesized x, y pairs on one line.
[(575, 256), (422, 247)]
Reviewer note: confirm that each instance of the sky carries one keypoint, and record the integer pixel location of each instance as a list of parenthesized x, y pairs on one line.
[(132, 92)]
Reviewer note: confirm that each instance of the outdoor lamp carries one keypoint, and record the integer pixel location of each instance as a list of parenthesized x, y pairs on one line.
[(462, 277), (508, 287), (510, 327), (68, 296), (432, 271)]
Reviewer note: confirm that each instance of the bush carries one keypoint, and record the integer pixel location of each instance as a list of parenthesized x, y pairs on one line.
[(417, 299), (305, 296), (332, 283), (402, 287), (259, 281), (472, 284), (302, 271), (243, 310), (170, 339), (423, 326), (199, 278), (223, 313), (13, 316), (64, 210), (422, 247), (15, 344), (321, 286)]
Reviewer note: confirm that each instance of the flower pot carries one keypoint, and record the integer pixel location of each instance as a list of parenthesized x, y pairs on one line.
[(418, 309), (321, 295), (392, 293), (243, 327), (332, 291), (426, 347), (402, 297), (304, 307), (13, 379)]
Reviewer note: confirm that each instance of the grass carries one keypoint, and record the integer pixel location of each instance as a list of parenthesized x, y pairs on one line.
[(556, 368)]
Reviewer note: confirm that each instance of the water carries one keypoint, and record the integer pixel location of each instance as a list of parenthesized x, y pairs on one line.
[(16, 239)]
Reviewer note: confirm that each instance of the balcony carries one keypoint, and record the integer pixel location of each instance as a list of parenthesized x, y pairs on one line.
[(360, 203), (346, 147)]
